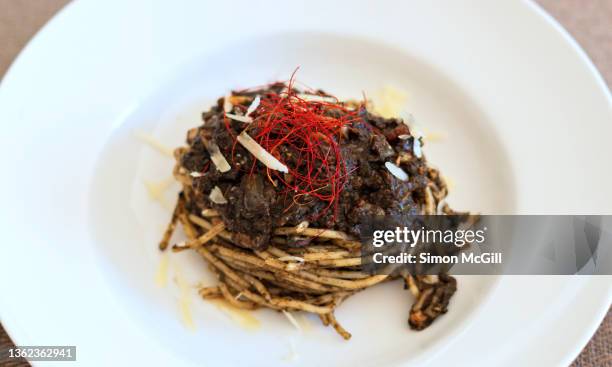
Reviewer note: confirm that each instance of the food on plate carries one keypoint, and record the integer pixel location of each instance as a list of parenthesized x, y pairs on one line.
[(275, 183)]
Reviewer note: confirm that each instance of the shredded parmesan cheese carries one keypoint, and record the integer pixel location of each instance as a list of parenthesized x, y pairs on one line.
[(154, 143), (246, 119), (304, 322), (396, 171), (293, 266), (216, 196), (292, 320), (315, 232), (316, 98), (195, 174), (161, 278), (390, 101), (301, 227), (156, 191), (260, 153), (253, 106), (184, 299), (243, 318), (217, 158), (209, 213), (416, 148), (227, 103), (434, 137)]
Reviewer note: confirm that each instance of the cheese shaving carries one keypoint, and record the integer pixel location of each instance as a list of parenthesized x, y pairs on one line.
[(304, 322), (316, 98), (396, 171), (260, 153), (227, 103), (390, 101), (154, 143), (416, 148), (253, 106), (217, 158), (216, 196), (292, 320), (161, 277), (243, 318), (293, 266), (245, 119), (157, 190), (301, 227), (209, 213), (434, 137), (184, 300), (195, 174)]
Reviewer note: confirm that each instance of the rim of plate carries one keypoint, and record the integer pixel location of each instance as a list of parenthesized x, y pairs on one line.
[(590, 329), (18, 334)]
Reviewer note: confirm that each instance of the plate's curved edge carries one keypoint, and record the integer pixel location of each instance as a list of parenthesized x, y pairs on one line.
[(45, 26), (589, 331), (582, 54), (586, 334), (12, 329)]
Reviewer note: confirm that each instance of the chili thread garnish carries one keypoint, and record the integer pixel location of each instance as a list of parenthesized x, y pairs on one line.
[(305, 136)]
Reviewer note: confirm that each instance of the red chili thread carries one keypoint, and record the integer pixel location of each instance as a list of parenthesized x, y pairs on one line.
[(304, 136)]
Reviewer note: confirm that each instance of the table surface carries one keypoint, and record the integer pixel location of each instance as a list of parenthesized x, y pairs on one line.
[(589, 22)]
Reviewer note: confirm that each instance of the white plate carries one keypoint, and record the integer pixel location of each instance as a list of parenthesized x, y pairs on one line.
[(511, 91)]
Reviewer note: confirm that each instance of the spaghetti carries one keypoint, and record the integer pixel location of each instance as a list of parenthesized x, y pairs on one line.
[(277, 227)]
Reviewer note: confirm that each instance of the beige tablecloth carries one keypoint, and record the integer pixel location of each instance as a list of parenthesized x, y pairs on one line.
[(589, 21)]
